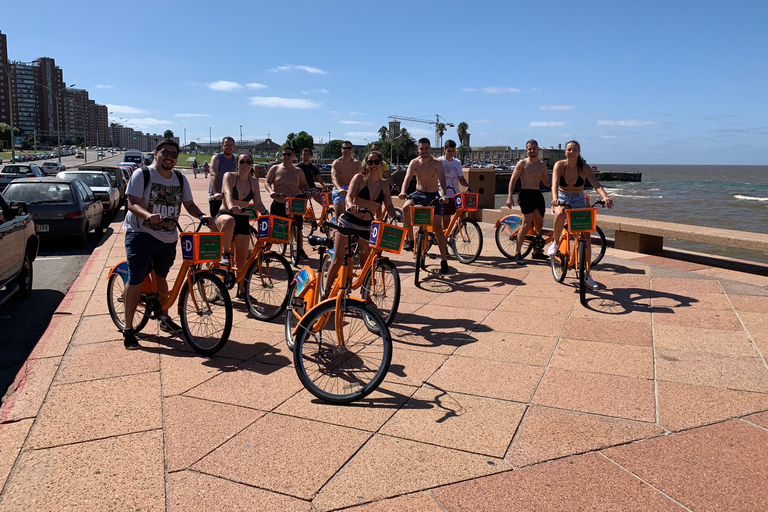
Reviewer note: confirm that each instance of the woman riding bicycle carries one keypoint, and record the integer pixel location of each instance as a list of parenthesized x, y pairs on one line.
[(240, 188), (366, 190), (568, 178)]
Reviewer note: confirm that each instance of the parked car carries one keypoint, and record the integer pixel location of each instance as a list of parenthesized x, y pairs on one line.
[(103, 188), (100, 154), (114, 172), (79, 154), (18, 246), (59, 207), (53, 168), (15, 171)]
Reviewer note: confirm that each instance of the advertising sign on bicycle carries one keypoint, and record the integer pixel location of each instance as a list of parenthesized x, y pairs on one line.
[(273, 229), (325, 198), (295, 206), (466, 201), (582, 219), (387, 237), (201, 247), (422, 215)]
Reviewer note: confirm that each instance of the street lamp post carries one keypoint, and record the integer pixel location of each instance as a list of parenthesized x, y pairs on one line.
[(58, 120), (210, 140), (13, 135), (241, 135)]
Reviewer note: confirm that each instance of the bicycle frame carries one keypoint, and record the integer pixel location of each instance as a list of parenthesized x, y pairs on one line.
[(568, 249), (255, 254)]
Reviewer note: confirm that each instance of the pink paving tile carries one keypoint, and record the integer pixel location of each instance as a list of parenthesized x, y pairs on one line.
[(454, 420), (193, 428), (55, 340), (683, 406), (757, 326), (708, 369), (676, 285), (703, 318), (119, 473), (736, 343), (609, 331), (189, 491), (759, 419), (27, 393), (95, 329), (540, 324), (753, 303), (718, 467), (586, 482), (670, 263), (103, 360), (417, 502), (288, 455), (386, 467), (555, 290), (608, 358), (700, 301), (182, 371), (413, 367), (607, 395), (472, 300), (509, 347), (439, 337), (527, 303), (492, 379), (12, 436), (547, 434)]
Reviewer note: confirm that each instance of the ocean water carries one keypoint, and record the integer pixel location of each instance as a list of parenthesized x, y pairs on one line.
[(719, 196)]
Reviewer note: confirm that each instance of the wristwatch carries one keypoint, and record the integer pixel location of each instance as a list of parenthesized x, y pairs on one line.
[(201, 216)]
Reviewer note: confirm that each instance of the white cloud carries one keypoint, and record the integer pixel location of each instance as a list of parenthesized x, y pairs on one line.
[(468, 89), (546, 124), (277, 102), (147, 122), (353, 113), (224, 86), (255, 85), (102, 86), (191, 115), (557, 107), (292, 67), (481, 121), (324, 91), (499, 90), (627, 122), (609, 137), (124, 109), (364, 123)]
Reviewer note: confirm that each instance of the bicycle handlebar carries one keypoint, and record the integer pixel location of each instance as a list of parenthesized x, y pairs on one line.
[(600, 202)]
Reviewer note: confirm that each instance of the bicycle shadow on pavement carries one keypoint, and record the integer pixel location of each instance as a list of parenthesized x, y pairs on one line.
[(622, 301), (424, 332)]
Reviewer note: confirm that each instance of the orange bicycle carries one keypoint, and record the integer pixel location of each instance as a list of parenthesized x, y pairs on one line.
[(311, 222)]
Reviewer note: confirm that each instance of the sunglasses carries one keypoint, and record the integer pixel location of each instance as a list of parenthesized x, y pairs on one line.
[(249, 162), (166, 153), (346, 147), (373, 162), (287, 154)]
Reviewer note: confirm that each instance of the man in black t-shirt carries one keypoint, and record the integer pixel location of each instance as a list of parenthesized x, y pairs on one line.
[(311, 172)]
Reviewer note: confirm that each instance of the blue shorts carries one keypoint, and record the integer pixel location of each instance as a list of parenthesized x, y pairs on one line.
[(145, 252), (428, 199), (339, 198), (575, 199)]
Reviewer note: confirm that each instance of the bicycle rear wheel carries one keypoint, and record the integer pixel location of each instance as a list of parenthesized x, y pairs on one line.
[(293, 316), (206, 320), (341, 374), (308, 227), (382, 287), (467, 240), (582, 265), (115, 289), (598, 246), (420, 253), (559, 264), (267, 286), (325, 265), (506, 240)]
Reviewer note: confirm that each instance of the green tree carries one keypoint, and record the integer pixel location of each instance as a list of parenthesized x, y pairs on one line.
[(461, 131), (168, 134), (5, 134), (299, 141), (405, 146), (463, 151), (333, 148), (440, 130), (383, 133)]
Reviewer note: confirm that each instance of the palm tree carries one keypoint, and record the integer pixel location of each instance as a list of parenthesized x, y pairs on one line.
[(461, 131), (405, 146), (168, 134), (440, 130), (383, 133)]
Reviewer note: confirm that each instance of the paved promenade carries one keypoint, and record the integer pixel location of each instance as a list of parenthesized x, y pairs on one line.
[(504, 394)]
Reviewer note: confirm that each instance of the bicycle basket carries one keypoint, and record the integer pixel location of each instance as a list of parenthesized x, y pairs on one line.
[(466, 202), (295, 205), (274, 229), (422, 215), (387, 237), (582, 219), (201, 247)]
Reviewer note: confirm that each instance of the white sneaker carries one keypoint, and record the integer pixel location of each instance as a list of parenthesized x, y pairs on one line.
[(592, 284), (552, 249)]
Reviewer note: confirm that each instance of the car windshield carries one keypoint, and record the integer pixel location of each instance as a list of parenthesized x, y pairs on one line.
[(35, 193), (136, 159), (95, 179)]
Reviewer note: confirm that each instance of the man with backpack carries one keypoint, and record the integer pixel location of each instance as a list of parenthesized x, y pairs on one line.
[(155, 196)]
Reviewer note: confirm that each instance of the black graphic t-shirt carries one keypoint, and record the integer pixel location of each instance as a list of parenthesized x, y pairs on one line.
[(163, 196)]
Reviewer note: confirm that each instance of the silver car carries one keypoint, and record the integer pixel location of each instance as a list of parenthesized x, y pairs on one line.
[(103, 188)]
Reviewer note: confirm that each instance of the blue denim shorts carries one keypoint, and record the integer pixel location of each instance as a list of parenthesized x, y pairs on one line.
[(575, 199), (145, 252)]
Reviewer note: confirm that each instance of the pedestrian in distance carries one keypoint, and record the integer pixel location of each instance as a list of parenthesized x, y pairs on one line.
[(221, 163)]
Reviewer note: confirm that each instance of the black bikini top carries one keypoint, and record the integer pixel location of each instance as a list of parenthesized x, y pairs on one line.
[(579, 180), (366, 195), (235, 193)]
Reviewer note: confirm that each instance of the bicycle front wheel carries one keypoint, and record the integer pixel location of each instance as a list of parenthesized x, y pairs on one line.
[(116, 306), (293, 316), (582, 254), (467, 240), (206, 318), (506, 240), (294, 245), (559, 264), (598, 246), (308, 227), (382, 287), (267, 285), (341, 371)]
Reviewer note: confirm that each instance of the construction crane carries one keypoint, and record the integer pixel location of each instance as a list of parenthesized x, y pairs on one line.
[(436, 122)]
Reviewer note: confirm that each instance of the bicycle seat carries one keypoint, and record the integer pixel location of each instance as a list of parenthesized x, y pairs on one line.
[(315, 241)]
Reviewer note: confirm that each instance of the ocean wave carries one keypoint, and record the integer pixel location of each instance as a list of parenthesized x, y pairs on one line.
[(750, 198), (635, 196)]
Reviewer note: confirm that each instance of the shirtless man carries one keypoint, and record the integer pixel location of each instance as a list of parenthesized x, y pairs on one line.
[(530, 171), (221, 163), (429, 174), (286, 180), (342, 172)]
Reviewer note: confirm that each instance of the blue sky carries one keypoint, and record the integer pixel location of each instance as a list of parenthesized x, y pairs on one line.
[(634, 82)]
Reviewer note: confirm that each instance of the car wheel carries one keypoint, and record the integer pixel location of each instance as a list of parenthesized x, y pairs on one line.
[(83, 239), (25, 278)]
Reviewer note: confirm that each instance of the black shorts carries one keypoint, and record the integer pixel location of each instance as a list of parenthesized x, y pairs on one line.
[(361, 227), (531, 200), (428, 199), (242, 223)]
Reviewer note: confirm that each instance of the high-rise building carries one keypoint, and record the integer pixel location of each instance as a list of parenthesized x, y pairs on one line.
[(5, 78)]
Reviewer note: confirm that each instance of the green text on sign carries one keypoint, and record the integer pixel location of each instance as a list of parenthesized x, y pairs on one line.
[(210, 247), (422, 216), (391, 238), (280, 229), (581, 220)]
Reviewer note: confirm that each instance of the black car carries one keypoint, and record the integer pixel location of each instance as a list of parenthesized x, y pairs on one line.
[(59, 207)]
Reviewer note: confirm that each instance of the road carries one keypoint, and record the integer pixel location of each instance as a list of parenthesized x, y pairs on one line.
[(58, 264)]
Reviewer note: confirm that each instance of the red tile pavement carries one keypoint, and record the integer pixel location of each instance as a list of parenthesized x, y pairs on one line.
[(504, 393)]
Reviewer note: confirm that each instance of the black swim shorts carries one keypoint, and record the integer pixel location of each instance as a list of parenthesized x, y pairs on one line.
[(531, 200)]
